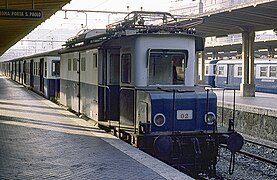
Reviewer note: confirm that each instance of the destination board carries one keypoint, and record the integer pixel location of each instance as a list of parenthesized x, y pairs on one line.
[(20, 14)]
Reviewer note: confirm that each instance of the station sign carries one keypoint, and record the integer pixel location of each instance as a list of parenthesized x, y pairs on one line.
[(20, 14)]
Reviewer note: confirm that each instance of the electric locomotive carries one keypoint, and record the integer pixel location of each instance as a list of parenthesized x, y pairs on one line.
[(137, 79)]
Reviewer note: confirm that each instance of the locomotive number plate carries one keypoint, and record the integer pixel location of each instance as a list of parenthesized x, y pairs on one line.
[(184, 114)]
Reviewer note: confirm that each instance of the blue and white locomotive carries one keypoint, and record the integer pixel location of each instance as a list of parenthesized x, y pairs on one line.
[(39, 72), (138, 80)]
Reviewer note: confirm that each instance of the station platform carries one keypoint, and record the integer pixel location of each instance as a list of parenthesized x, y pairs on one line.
[(40, 140), (261, 100)]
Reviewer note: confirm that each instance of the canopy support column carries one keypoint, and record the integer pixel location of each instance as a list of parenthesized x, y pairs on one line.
[(247, 86)]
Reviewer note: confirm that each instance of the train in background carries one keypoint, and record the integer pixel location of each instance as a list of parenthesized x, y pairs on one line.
[(228, 74), (39, 72), (137, 79)]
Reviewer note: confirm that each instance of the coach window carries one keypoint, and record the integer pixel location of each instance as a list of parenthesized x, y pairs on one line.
[(74, 64), (273, 71), (221, 70), (69, 64), (55, 68), (126, 68), (83, 64), (239, 71), (94, 58), (263, 71)]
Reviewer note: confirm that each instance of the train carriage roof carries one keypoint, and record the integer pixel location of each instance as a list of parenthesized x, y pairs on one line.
[(43, 54), (256, 60)]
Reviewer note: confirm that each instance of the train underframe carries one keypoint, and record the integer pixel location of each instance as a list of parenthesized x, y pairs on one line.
[(192, 153)]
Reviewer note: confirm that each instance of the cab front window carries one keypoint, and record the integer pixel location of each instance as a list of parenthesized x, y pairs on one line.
[(167, 67)]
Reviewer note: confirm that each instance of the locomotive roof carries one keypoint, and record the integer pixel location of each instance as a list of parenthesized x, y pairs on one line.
[(136, 22)]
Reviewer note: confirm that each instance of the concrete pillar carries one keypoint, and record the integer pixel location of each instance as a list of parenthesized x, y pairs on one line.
[(202, 67), (247, 86), (251, 58)]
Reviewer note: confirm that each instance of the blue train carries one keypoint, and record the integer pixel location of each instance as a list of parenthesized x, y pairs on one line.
[(137, 80), (38, 72), (228, 74)]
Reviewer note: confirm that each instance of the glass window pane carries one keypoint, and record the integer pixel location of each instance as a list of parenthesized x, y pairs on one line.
[(273, 71), (263, 71), (221, 70), (74, 64), (83, 64), (239, 71), (69, 64), (55, 68), (94, 60), (166, 67), (114, 68), (126, 68)]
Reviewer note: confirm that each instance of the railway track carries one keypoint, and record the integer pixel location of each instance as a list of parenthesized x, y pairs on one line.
[(257, 155)]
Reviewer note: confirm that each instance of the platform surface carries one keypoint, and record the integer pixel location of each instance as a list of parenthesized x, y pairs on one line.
[(40, 140), (261, 100)]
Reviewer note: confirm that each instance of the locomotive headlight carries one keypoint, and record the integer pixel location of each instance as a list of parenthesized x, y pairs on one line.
[(210, 118), (159, 119)]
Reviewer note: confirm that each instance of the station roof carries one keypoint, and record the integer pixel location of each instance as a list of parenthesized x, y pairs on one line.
[(256, 16), (12, 30), (238, 47)]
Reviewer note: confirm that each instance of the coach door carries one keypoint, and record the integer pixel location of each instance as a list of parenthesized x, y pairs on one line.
[(41, 80), (230, 74), (32, 73), (24, 72)]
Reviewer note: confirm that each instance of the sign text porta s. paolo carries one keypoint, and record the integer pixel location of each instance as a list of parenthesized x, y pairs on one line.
[(20, 14)]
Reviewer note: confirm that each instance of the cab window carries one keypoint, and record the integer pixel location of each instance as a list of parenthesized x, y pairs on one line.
[(167, 67), (126, 68)]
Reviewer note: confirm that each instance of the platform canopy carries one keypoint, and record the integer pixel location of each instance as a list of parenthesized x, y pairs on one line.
[(20, 17), (251, 16)]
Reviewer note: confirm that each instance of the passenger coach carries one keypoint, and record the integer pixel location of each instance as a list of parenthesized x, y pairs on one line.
[(229, 74), (39, 72)]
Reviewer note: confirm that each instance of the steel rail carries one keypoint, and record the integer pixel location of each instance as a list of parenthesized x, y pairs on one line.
[(260, 144), (258, 157)]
